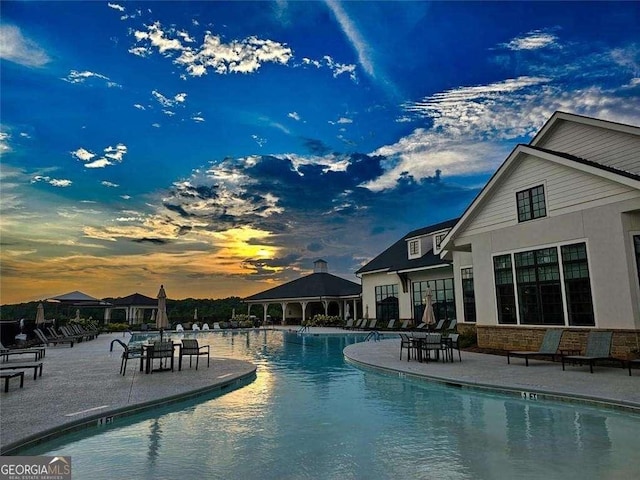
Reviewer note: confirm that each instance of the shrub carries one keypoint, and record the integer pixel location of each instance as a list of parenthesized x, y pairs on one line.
[(117, 327), (324, 321), (468, 339)]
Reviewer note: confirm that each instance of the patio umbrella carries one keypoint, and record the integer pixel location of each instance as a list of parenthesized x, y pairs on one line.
[(347, 312), (161, 319), (428, 316), (77, 314), (40, 314), (366, 313), (195, 314), (153, 315)]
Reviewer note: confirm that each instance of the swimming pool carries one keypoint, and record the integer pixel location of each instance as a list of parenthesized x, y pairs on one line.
[(310, 415)]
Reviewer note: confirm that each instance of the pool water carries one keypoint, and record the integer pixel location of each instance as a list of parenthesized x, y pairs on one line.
[(310, 415)]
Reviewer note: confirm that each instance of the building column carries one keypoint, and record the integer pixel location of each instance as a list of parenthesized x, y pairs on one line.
[(304, 311), (284, 312), (265, 307), (107, 315)]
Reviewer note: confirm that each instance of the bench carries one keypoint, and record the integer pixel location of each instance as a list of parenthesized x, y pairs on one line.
[(9, 374), (15, 365)]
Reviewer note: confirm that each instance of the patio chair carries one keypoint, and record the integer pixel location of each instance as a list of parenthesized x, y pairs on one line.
[(191, 348), (432, 343), (404, 325), (453, 344), (129, 352), (452, 325), (161, 351), (406, 343), (390, 325), (598, 349), (631, 363), (549, 347), (371, 326), (349, 324), (422, 326), (52, 341), (439, 326), (37, 367)]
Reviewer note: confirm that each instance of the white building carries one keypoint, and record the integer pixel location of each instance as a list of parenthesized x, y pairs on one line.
[(553, 239), (395, 283)]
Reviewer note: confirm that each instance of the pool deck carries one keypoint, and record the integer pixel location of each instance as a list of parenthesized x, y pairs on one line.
[(80, 386)]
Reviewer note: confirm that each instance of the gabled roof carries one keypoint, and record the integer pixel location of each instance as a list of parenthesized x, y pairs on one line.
[(135, 299), (76, 298), (395, 258), (320, 284), (559, 117), (611, 173)]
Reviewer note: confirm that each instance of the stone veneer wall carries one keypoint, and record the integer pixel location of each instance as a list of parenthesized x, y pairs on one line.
[(505, 337)]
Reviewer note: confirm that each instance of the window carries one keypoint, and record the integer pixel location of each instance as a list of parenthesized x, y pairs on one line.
[(468, 295), (505, 292), (539, 281), (414, 248), (539, 288), (442, 296), (577, 285), (387, 302), (437, 241), (531, 204)]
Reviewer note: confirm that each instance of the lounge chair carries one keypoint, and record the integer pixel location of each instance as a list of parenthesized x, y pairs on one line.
[(53, 341), (549, 347), (9, 374), (37, 367), (372, 325), (598, 349), (630, 363), (37, 351), (191, 349), (439, 326), (349, 324), (390, 325), (404, 325), (422, 326)]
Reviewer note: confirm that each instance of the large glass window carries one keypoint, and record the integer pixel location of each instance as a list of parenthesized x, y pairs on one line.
[(442, 296), (468, 295), (539, 288), (577, 285), (531, 204), (505, 292), (387, 302)]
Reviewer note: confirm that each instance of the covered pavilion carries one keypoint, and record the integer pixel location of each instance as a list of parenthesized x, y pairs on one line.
[(135, 306), (317, 293)]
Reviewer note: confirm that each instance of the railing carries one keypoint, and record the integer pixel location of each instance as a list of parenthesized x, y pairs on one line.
[(303, 329), (373, 335), (120, 342)]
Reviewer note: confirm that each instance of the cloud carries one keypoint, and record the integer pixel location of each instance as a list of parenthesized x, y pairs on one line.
[(294, 115), (197, 118), (138, 106), (350, 30), (55, 182), (238, 56), (4, 142), (115, 6), (109, 184), (169, 102), (16, 48), (533, 40), (110, 156), (80, 77), (336, 68)]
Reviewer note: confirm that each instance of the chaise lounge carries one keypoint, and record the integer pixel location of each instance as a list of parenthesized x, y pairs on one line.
[(549, 347), (598, 349)]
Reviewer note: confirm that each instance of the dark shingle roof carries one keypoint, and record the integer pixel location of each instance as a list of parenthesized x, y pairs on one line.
[(135, 299), (314, 285), (396, 258), (590, 163)]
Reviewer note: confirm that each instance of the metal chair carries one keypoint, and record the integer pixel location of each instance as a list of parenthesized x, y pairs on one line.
[(191, 348)]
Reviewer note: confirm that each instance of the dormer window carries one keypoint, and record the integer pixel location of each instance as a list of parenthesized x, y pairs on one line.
[(531, 204), (414, 248), (437, 241)]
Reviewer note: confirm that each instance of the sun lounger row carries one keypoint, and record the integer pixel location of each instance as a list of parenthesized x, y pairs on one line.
[(366, 324), (598, 349)]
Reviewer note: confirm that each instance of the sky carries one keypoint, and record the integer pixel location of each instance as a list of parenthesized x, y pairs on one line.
[(220, 148)]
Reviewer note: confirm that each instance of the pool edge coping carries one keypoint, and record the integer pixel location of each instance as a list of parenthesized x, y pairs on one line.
[(91, 421), (531, 395)]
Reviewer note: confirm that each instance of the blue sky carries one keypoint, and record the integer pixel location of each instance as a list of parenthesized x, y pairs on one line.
[(220, 148)]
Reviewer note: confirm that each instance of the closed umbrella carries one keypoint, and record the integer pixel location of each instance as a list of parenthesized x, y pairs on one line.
[(153, 315), (40, 314), (161, 319), (77, 314), (195, 314), (428, 315)]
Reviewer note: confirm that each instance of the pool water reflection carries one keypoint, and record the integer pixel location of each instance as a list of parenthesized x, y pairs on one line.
[(311, 415)]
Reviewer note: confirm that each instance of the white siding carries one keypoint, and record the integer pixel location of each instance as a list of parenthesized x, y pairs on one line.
[(608, 147), (566, 190)]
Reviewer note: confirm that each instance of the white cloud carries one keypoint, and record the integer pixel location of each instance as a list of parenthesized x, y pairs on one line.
[(156, 125), (138, 106), (109, 184), (168, 112), (238, 56), (169, 102), (80, 77), (125, 197), (111, 155), (55, 182), (350, 30), (16, 48), (259, 140), (197, 118), (294, 115), (141, 51), (180, 97), (4, 142), (344, 120), (532, 41), (83, 154), (115, 6)]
